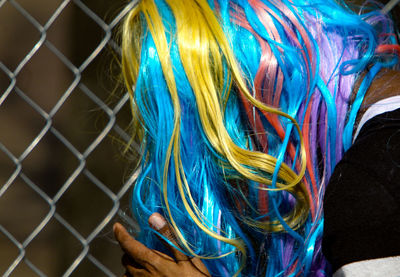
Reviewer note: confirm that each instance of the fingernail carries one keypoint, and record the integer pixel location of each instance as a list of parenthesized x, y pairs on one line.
[(157, 221)]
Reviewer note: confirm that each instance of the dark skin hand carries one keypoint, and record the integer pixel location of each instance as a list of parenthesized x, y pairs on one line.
[(139, 260)]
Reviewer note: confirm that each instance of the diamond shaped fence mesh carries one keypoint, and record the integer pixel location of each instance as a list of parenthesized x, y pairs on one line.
[(63, 178)]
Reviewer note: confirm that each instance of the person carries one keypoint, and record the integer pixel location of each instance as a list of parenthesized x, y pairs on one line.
[(358, 258), (245, 110)]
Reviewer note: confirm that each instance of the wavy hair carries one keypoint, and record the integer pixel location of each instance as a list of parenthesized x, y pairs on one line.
[(243, 108)]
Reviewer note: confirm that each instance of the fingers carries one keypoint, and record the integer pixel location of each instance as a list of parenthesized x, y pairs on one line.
[(139, 260), (132, 247), (158, 223)]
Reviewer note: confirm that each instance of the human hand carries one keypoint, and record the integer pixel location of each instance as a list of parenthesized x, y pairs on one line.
[(139, 260)]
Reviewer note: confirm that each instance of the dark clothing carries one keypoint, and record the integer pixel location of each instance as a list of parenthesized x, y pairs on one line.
[(362, 199)]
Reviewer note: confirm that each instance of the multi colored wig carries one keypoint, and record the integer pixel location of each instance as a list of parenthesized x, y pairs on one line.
[(243, 109)]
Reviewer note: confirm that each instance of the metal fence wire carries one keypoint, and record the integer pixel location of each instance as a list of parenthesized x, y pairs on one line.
[(63, 178)]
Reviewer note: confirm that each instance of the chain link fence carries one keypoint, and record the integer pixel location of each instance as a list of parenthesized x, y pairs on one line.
[(63, 178)]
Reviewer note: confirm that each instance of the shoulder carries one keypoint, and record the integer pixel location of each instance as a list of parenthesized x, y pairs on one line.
[(385, 85)]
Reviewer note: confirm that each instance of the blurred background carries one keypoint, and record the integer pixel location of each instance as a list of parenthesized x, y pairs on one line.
[(63, 126), (63, 118)]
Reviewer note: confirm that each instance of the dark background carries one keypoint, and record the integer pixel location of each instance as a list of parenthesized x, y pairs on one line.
[(45, 79)]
